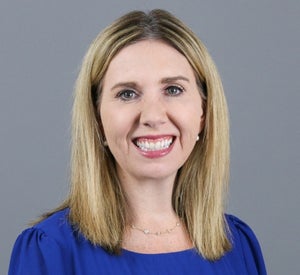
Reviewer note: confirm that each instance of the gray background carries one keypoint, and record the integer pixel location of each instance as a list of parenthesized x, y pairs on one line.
[(255, 45)]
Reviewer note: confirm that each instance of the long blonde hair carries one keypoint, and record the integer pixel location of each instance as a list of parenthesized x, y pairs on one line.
[(97, 202)]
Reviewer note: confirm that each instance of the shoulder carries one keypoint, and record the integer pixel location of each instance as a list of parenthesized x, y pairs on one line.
[(55, 228), (54, 231), (245, 244), (237, 225), (241, 232), (43, 247), (57, 225)]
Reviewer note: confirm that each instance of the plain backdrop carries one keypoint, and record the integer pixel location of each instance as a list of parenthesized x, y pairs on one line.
[(255, 45)]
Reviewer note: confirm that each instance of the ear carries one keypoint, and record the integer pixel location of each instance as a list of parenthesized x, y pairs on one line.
[(202, 123)]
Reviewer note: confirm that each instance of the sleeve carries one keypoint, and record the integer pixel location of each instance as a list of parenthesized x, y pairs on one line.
[(245, 240), (35, 253)]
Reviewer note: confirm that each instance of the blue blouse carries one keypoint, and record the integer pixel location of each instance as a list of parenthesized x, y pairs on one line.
[(53, 247)]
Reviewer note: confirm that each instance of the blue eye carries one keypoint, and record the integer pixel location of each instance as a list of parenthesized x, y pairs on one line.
[(127, 95), (174, 90)]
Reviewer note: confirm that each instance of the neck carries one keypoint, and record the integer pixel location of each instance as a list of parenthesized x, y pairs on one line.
[(150, 201), (153, 226)]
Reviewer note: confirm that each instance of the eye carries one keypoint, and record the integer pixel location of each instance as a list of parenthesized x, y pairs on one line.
[(174, 90), (127, 95)]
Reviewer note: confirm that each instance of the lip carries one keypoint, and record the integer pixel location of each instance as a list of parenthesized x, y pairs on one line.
[(154, 152)]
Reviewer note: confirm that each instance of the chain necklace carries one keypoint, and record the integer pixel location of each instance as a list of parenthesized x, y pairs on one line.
[(158, 233)]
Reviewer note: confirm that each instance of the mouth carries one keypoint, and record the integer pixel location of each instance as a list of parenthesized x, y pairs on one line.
[(152, 144)]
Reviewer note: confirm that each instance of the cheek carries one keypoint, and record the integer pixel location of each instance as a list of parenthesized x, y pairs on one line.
[(107, 122), (115, 125)]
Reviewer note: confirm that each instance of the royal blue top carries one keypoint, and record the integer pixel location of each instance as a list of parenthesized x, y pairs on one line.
[(54, 247)]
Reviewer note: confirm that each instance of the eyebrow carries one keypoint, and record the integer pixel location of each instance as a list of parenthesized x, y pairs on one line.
[(174, 78), (129, 84)]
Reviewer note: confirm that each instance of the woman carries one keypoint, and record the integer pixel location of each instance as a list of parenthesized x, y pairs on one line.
[(150, 160)]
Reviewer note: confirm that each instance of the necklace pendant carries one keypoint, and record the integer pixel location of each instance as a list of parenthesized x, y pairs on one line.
[(146, 231)]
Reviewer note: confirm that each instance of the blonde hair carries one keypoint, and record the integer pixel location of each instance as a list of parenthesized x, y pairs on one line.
[(97, 202)]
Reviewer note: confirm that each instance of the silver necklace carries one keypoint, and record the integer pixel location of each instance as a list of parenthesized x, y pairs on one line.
[(158, 233)]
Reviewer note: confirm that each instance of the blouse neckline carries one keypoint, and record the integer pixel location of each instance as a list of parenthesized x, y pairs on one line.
[(174, 253)]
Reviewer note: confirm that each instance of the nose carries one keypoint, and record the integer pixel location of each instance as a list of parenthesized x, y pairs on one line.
[(153, 112)]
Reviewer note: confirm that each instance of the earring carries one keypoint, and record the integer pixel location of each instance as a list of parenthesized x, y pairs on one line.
[(197, 138), (105, 143)]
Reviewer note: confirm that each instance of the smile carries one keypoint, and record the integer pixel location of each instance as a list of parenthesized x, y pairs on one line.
[(151, 145)]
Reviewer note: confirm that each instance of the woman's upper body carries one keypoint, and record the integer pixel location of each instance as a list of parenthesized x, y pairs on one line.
[(55, 247), (150, 162), (150, 139)]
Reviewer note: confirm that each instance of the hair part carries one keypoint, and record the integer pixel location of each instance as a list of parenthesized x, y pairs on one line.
[(98, 207)]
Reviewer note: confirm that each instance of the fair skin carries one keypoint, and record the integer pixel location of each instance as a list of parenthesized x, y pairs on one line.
[(151, 114)]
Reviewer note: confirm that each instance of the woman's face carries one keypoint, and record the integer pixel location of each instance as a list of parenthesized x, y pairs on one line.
[(151, 110)]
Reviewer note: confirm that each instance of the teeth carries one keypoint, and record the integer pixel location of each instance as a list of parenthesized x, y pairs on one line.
[(147, 145)]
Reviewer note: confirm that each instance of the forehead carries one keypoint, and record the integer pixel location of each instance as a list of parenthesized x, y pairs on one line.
[(150, 57)]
